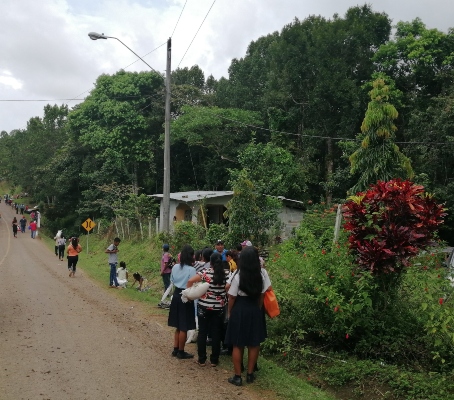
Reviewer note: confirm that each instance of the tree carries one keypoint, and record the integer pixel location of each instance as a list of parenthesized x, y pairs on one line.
[(120, 124), (379, 158), (210, 139), (315, 86), (273, 170), (251, 214)]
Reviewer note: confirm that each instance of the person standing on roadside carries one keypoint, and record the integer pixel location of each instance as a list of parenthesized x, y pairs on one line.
[(219, 248), (181, 315), (112, 250), (14, 224), (73, 255), (210, 309), (246, 323), (23, 224), (33, 227), (166, 270)]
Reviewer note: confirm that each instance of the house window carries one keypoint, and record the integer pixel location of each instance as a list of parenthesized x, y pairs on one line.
[(188, 215)]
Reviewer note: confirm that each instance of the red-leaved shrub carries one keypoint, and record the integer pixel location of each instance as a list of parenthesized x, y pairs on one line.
[(390, 223)]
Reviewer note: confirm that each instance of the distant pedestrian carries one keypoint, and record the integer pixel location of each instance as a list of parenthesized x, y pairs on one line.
[(33, 227), (23, 224), (14, 224), (73, 255), (61, 247), (112, 250)]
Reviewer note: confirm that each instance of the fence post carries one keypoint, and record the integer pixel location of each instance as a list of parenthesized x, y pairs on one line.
[(338, 223)]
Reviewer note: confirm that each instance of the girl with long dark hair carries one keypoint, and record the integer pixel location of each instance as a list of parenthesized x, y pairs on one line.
[(181, 315), (210, 308), (246, 323), (73, 251), (14, 224)]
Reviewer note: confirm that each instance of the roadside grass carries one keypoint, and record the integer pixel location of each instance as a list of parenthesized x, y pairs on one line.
[(273, 381)]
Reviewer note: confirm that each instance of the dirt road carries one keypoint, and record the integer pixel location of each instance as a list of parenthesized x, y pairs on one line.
[(68, 338)]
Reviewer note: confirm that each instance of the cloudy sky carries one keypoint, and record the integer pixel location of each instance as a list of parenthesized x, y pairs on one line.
[(45, 53)]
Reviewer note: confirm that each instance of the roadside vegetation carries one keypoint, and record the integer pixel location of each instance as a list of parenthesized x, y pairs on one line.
[(334, 111)]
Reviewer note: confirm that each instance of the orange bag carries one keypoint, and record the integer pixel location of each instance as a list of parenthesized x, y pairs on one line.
[(270, 304)]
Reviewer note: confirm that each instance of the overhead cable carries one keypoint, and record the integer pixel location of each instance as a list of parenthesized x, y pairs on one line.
[(196, 33)]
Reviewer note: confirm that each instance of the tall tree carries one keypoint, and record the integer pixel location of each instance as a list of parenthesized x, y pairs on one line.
[(315, 88), (379, 158), (121, 124)]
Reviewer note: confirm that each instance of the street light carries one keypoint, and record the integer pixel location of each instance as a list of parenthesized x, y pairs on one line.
[(166, 185)]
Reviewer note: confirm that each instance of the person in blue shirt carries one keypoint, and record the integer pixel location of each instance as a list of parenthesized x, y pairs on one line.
[(181, 315), (219, 248)]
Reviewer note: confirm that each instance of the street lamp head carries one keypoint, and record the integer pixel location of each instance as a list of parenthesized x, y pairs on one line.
[(96, 36)]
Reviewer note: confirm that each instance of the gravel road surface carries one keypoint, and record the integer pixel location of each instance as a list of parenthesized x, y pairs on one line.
[(69, 338)]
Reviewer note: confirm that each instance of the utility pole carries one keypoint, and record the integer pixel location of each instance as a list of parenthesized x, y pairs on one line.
[(166, 186)]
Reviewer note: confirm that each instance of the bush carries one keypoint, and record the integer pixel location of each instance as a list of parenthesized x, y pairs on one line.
[(327, 302)]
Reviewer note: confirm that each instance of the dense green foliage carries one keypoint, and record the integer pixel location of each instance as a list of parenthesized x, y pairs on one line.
[(332, 312), (289, 113)]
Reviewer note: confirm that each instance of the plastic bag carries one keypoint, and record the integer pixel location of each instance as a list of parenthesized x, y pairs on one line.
[(196, 291)]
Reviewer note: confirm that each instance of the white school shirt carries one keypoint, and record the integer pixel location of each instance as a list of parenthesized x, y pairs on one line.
[(235, 282)]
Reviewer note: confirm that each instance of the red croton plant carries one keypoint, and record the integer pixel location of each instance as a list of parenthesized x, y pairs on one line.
[(390, 223)]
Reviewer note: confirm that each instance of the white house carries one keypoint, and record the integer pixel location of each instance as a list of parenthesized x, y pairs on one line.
[(187, 206)]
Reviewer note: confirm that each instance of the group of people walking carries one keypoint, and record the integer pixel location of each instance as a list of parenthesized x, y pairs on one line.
[(231, 311), (22, 225)]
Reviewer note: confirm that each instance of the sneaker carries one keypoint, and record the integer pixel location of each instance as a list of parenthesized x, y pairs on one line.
[(250, 378), (174, 353), (235, 380), (184, 356)]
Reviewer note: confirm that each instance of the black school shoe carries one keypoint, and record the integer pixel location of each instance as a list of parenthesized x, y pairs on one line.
[(182, 355), (235, 380)]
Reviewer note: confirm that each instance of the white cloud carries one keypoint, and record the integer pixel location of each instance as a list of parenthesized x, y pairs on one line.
[(10, 81)]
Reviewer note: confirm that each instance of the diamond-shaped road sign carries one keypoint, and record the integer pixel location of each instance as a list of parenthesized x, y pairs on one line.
[(88, 224)]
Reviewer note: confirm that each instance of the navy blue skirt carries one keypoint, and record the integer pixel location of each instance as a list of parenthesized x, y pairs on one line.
[(181, 315), (246, 325)]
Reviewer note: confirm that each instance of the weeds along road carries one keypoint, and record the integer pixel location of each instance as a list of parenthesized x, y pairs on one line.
[(68, 338)]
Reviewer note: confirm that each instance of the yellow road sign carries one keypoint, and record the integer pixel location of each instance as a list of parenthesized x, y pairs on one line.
[(88, 224)]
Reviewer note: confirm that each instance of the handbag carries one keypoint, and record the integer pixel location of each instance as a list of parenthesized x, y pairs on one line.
[(270, 303)]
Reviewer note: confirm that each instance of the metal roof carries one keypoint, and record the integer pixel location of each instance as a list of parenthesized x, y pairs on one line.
[(195, 195)]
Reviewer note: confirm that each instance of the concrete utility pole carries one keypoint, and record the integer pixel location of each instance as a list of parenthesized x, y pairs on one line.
[(166, 186)]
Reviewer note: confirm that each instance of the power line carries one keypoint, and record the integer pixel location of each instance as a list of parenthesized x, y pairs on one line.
[(178, 19), (300, 134), (196, 33)]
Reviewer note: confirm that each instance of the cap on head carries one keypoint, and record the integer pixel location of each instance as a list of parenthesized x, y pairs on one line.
[(246, 243), (219, 241), (165, 247)]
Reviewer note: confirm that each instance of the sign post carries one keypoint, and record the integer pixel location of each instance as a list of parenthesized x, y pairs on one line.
[(88, 225)]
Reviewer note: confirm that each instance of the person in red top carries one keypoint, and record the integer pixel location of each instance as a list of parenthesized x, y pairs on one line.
[(33, 227)]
